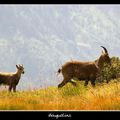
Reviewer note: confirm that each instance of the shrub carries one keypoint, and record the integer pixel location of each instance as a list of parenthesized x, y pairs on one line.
[(110, 72)]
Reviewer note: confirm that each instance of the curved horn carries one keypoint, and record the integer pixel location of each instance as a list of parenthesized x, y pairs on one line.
[(105, 49)]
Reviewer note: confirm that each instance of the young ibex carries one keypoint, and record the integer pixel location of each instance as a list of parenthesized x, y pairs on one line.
[(83, 70), (12, 79)]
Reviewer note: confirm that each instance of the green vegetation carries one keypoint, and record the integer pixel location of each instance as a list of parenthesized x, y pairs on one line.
[(110, 72)]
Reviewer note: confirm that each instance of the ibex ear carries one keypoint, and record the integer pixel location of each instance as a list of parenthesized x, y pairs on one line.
[(103, 52), (17, 67)]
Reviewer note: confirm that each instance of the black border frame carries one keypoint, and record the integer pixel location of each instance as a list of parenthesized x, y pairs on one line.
[(38, 114)]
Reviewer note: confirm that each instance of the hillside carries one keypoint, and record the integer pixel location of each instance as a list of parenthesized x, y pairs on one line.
[(103, 97)]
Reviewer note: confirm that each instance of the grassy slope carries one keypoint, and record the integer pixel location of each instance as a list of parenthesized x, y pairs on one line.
[(103, 97)]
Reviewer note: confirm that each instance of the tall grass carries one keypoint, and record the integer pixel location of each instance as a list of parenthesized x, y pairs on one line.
[(102, 97)]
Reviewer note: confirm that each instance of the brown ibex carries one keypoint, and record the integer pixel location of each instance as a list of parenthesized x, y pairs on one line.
[(11, 79), (87, 71)]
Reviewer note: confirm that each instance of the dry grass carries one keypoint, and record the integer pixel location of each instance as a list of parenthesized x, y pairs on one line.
[(102, 97)]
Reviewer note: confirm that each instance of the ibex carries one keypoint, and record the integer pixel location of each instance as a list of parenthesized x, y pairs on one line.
[(11, 79), (87, 71)]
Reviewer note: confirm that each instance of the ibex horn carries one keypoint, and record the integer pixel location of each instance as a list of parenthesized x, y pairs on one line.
[(105, 49)]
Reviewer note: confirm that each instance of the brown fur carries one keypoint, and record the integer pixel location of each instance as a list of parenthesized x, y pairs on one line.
[(12, 79), (83, 70)]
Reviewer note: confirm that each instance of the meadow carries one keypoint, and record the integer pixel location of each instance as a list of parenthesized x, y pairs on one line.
[(103, 97)]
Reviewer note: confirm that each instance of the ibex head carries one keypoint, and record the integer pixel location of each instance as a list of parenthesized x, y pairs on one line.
[(104, 58), (20, 68)]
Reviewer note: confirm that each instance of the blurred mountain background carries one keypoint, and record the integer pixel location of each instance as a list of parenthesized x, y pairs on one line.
[(43, 37)]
